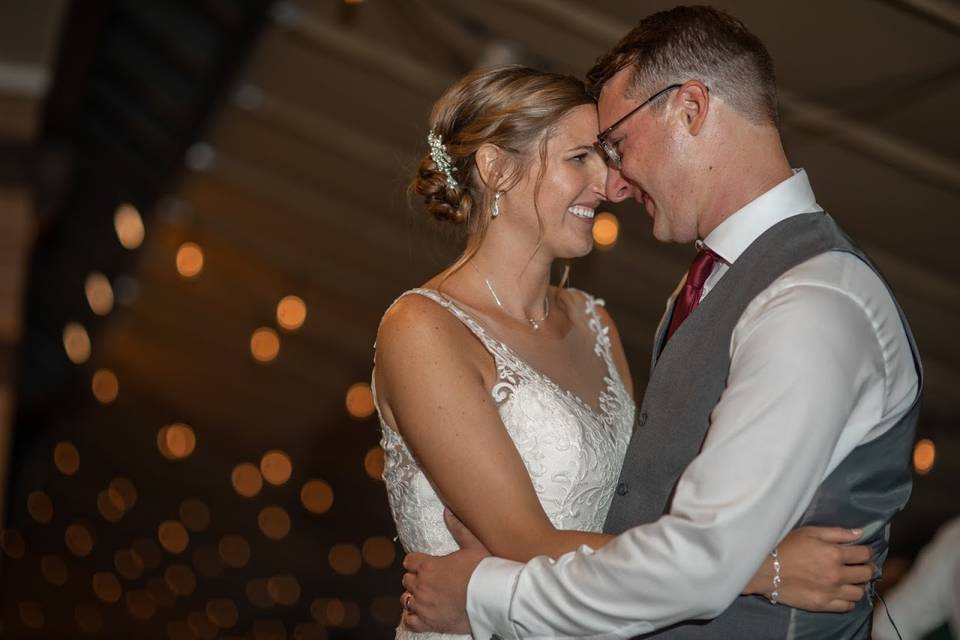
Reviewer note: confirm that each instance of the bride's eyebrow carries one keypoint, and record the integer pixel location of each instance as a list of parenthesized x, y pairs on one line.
[(582, 147)]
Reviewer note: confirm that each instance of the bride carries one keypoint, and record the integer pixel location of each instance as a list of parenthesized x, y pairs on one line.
[(502, 397)]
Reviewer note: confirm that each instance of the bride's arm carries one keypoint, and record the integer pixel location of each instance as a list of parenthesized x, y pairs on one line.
[(430, 381)]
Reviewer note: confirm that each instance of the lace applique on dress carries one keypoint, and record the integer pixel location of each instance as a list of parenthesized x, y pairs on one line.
[(572, 452)]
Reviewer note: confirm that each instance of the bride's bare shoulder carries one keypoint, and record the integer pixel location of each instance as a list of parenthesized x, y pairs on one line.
[(419, 322)]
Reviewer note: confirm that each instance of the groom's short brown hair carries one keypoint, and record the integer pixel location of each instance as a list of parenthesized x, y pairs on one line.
[(695, 43)]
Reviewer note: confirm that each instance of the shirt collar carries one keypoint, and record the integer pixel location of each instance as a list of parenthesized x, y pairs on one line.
[(789, 198)]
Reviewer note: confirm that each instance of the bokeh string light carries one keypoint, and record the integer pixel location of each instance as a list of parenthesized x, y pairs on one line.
[(128, 225), (291, 313), (176, 441), (79, 540), (264, 345), (66, 458), (359, 401), (316, 496), (76, 342), (189, 260), (276, 468), (246, 480), (105, 386), (924, 456), (99, 293), (606, 230)]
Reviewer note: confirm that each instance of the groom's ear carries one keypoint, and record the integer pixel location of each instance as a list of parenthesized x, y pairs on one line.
[(693, 99)]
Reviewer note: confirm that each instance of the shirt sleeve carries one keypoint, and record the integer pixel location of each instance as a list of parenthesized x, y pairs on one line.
[(805, 365)]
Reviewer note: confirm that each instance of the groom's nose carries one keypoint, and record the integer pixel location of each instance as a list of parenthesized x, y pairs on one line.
[(617, 188)]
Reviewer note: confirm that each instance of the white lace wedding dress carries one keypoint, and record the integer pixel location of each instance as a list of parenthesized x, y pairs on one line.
[(572, 452)]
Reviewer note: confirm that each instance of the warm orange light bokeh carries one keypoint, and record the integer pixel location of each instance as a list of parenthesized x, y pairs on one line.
[(276, 467), (176, 441), (606, 229), (99, 293), (265, 345), (345, 559), (39, 507), (125, 492), (189, 260), (373, 463), (173, 536), (107, 587), (128, 224), (274, 522), (379, 552), (246, 479), (360, 401), (79, 540), (284, 590), (291, 313), (924, 456), (235, 551), (76, 342), (317, 496), (66, 458), (105, 386)]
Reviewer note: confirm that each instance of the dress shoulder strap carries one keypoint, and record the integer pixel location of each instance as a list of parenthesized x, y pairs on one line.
[(494, 346), (602, 347)]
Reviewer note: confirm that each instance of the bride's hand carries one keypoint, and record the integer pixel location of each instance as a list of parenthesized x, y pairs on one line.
[(820, 570)]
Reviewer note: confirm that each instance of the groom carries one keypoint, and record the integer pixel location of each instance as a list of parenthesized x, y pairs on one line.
[(785, 383)]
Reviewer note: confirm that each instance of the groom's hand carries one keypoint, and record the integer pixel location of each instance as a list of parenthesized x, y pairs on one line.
[(436, 588)]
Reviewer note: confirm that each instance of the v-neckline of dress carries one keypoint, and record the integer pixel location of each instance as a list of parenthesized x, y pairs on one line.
[(611, 378)]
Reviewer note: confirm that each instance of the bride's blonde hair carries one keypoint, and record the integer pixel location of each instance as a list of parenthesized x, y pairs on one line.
[(511, 106)]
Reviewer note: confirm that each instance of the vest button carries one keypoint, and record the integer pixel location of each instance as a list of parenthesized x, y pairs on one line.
[(623, 488), (642, 420)]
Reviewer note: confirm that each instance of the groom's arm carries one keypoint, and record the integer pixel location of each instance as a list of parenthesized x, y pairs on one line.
[(793, 386)]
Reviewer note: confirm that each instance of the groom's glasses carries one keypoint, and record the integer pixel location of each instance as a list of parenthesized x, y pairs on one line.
[(609, 148)]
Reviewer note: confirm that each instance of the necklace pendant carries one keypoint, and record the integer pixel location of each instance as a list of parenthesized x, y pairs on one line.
[(534, 324)]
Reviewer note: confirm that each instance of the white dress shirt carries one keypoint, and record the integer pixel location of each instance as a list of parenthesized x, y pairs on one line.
[(819, 363), (929, 595)]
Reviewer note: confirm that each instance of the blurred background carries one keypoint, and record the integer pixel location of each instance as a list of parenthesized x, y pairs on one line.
[(203, 217)]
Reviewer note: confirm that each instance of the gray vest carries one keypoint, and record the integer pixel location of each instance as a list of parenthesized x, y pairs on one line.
[(869, 486)]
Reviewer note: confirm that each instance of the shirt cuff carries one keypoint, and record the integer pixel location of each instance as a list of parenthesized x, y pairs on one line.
[(489, 594)]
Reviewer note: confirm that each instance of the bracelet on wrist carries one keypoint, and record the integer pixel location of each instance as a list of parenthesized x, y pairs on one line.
[(775, 594)]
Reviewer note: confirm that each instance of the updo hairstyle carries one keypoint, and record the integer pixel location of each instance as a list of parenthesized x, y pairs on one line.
[(511, 106)]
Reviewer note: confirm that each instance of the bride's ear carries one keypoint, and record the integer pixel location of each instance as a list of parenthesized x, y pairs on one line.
[(490, 159)]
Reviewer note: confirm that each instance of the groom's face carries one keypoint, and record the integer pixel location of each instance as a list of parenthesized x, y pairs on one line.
[(652, 169)]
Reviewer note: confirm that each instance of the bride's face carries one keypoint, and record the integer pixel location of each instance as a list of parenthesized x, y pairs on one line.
[(570, 190)]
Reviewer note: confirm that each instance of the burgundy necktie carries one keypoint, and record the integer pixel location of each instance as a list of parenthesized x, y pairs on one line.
[(689, 296)]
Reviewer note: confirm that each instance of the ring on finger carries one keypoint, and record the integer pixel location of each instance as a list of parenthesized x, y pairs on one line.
[(407, 597)]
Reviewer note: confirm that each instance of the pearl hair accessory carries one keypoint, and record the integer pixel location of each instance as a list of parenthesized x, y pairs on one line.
[(438, 152)]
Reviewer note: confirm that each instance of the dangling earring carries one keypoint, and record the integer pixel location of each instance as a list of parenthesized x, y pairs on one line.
[(495, 210)]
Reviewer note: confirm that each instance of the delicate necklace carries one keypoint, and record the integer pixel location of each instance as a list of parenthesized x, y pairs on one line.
[(533, 322)]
